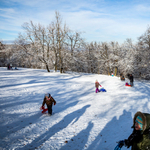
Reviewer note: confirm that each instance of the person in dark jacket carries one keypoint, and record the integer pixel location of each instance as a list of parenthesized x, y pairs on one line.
[(140, 137), (49, 100), (131, 79)]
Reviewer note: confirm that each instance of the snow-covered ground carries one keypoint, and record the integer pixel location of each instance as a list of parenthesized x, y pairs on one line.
[(82, 119)]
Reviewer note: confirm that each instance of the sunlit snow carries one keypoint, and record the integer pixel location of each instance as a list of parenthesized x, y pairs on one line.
[(82, 119)]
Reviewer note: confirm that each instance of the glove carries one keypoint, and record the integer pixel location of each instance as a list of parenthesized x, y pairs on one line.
[(119, 146), (121, 143), (54, 103), (42, 107)]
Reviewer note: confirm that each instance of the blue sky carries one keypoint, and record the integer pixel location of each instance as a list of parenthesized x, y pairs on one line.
[(99, 20)]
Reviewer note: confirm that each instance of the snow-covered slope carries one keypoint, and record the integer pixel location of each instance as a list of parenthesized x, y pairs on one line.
[(82, 119)]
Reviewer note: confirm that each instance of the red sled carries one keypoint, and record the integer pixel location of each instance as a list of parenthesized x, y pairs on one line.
[(127, 84), (44, 110)]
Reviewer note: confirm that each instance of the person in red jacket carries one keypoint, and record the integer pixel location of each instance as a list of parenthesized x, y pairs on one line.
[(49, 101)]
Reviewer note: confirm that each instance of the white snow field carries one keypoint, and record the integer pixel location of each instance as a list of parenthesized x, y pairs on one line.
[(82, 119)]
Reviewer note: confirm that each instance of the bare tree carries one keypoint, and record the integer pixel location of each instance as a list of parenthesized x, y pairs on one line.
[(35, 43), (2, 54), (60, 37), (127, 57), (114, 56), (104, 54), (73, 42), (57, 35), (91, 57), (143, 55)]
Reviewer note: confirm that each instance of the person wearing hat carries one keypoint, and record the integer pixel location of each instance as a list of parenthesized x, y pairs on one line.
[(49, 101), (97, 86), (140, 137)]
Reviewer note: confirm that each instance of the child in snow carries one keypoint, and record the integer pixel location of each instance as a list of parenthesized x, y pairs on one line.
[(127, 84), (49, 100), (140, 137), (97, 86)]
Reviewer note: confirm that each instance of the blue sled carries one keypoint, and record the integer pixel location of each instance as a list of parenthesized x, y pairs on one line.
[(102, 90)]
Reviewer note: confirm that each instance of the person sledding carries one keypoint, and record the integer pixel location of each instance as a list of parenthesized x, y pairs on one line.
[(127, 84), (140, 137), (97, 86), (49, 100)]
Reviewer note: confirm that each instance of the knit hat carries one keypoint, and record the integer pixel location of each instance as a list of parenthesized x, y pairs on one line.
[(47, 94), (139, 121)]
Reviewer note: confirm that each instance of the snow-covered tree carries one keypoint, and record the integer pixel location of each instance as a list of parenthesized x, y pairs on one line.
[(143, 55), (73, 43), (2, 54), (127, 57)]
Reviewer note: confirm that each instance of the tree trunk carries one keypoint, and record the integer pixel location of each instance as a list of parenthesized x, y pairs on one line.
[(47, 68), (108, 69), (116, 71), (55, 67), (61, 70)]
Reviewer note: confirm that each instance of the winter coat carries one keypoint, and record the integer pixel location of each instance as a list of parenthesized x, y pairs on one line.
[(97, 84), (122, 78), (131, 78), (49, 102), (140, 139)]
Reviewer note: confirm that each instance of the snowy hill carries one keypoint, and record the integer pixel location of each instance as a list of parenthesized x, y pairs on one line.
[(82, 119)]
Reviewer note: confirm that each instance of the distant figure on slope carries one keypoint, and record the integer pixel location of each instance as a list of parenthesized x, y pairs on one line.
[(49, 100), (16, 68), (127, 84), (97, 86), (122, 77), (131, 79), (140, 137), (8, 66)]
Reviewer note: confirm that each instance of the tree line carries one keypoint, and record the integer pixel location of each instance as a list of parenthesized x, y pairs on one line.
[(58, 47)]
